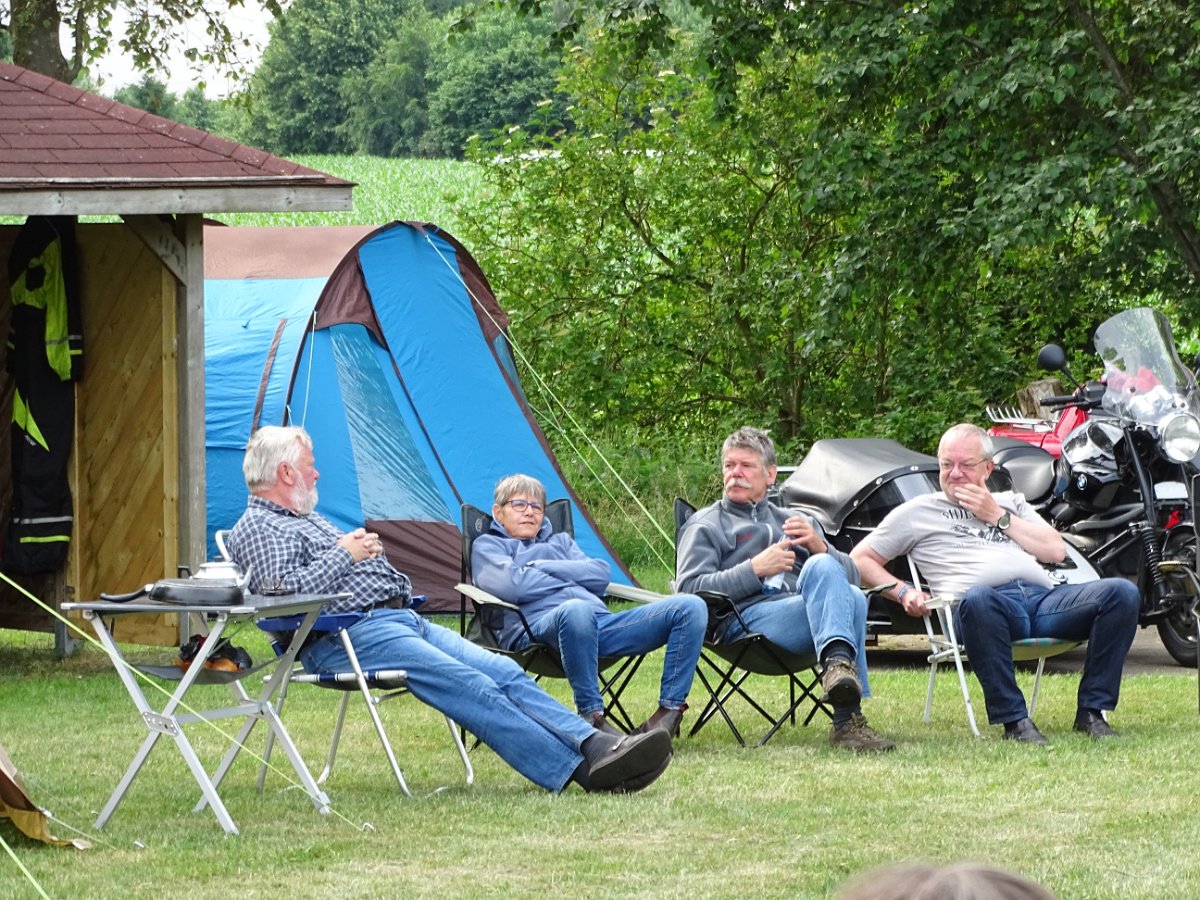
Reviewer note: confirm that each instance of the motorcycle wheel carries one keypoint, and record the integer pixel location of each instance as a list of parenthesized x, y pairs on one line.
[(1178, 630)]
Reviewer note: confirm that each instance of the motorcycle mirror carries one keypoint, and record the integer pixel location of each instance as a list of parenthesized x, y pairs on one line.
[(1052, 358)]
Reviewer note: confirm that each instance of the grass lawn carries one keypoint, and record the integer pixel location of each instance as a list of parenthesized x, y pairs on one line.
[(796, 818)]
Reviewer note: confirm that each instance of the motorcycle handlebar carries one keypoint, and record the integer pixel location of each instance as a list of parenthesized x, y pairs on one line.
[(1060, 402)]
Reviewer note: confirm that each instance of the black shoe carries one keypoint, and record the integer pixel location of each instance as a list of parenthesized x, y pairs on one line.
[(1025, 731), (1092, 723), (632, 763)]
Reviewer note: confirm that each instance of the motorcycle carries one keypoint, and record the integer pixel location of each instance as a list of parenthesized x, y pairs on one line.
[(1122, 492)]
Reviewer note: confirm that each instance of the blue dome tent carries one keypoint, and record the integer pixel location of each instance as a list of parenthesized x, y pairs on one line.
[(389, 347)]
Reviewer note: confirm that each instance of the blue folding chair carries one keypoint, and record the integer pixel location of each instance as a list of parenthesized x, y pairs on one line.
[(375, 686)]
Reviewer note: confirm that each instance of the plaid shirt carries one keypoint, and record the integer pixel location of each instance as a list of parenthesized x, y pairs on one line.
[(299, 554)]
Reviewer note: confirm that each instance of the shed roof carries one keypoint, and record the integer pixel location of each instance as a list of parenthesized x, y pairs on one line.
[(66, 151)]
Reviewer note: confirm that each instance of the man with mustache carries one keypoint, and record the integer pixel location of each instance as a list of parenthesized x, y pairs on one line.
[(789, 584), (285, 545)]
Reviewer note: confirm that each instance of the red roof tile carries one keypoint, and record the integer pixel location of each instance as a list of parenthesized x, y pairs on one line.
[(51, 130)]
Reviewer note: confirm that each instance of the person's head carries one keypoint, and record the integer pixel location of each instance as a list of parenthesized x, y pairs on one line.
[(964, 457), (957, 881), (519, 503), (278, 466), (747, 464)]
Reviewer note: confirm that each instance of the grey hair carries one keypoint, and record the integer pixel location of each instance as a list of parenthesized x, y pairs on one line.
[(269, 448), (965, 429), (509, 487), (753, 439)]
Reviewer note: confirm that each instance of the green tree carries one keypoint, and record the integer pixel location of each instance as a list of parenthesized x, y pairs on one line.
[(297, 92), (795, 263), (488, 78), (388, 101), (36, 28), (151, 95)]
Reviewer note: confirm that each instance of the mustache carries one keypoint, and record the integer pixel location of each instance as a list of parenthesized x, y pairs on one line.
[(736, 481)]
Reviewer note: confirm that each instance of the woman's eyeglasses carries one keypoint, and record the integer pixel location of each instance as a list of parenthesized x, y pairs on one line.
[(522, 505)]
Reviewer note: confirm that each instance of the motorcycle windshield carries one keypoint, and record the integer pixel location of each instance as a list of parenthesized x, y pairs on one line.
[(1144, 378)]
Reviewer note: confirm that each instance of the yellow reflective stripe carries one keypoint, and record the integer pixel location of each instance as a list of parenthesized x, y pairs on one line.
[(54, 538), (23, 420)]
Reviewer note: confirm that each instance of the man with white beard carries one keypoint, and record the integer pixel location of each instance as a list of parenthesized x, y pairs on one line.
[(787, 582), (287, 547)]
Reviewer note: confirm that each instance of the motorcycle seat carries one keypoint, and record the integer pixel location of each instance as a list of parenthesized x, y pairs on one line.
[(1030, 468)]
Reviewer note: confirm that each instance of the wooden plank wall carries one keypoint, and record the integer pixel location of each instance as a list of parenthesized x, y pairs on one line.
[(125, 465)]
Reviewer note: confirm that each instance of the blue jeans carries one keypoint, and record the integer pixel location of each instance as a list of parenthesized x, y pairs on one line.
[(827, 608), (1104, 613), (485, 693), (583, 633)]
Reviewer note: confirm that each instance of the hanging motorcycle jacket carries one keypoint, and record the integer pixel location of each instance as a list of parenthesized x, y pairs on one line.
[(44, 359)]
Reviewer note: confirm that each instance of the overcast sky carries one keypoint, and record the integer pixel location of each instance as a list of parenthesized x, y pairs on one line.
[(116, 70)]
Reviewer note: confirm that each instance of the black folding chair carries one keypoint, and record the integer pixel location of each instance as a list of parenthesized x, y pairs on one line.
[(725, 666), (491, 615)]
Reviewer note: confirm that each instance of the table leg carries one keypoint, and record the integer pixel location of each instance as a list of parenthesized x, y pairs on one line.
[(266, 710)]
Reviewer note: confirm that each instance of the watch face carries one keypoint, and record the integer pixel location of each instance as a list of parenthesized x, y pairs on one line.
[(1004, 521)]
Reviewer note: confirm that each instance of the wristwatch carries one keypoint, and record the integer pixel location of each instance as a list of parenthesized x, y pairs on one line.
[(1004, 521)]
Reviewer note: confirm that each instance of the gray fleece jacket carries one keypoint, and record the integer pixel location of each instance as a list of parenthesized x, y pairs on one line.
[(717, 543)]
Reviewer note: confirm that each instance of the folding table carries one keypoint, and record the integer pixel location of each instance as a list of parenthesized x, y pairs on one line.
[(169, 720)]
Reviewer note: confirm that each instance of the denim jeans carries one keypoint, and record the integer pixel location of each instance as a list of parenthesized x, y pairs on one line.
[(485, 693), (1104, 613), (827, 608), (582, 633)]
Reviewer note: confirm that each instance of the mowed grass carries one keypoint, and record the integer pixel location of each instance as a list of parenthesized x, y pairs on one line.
[(793, 819)]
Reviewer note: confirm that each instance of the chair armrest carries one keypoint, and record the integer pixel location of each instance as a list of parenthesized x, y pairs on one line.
[(629, 592), (483, 598), (878, 590)]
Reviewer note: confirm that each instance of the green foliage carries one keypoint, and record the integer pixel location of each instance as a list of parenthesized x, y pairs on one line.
[(151, 95), (490, 77), (299, 104)]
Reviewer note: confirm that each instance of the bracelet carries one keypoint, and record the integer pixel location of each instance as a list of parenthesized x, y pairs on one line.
[(904, 590)]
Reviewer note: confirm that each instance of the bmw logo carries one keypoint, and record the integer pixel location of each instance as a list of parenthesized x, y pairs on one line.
[(1081, 481)]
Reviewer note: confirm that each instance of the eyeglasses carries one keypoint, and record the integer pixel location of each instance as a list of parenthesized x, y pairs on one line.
[(522, 505), (949, 465)]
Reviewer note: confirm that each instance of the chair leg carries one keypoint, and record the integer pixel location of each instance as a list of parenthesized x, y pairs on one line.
[(374, 713), (1037, 683), (947, 620), (456, 737)]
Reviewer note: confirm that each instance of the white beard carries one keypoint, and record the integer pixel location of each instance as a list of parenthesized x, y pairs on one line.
[(304, 501)]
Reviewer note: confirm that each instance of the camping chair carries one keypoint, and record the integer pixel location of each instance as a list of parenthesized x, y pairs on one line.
[(944, 647), (540, 659), (725, 666), (375, 686)]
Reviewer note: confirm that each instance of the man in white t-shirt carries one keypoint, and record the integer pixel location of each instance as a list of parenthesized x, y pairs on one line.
[(989, 550)]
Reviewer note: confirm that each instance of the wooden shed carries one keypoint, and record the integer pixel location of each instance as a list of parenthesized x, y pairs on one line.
[(136, 469)]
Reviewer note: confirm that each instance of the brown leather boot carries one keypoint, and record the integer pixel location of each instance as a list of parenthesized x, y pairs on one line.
[(663, 719)]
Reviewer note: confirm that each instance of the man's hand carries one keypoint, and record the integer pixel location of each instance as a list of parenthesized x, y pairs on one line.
[(778, 557), (361, 544), (979, 502), (802, 533), (914, 602)]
